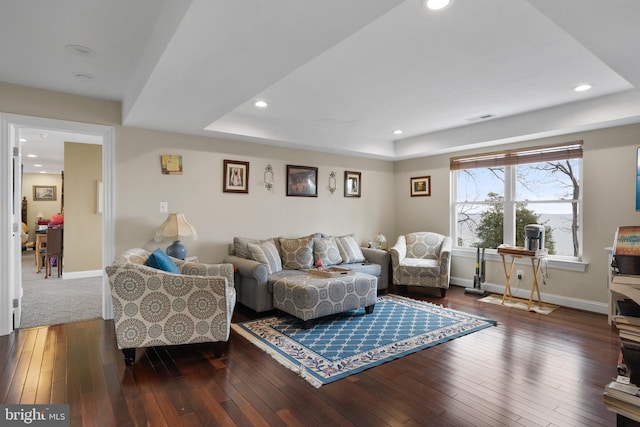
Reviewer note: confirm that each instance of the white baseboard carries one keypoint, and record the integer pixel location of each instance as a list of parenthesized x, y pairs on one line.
[(564, 301), (81, 274)]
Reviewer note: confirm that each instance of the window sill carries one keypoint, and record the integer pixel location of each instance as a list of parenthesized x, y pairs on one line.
[(555, 262)]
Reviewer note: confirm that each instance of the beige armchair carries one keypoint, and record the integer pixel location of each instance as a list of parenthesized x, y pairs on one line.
[(155, 308), (422, 259)]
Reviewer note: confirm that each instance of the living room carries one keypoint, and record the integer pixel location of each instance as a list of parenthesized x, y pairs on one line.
[(607, 125)]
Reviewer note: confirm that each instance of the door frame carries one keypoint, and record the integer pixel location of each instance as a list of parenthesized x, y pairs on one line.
[(10, 288)]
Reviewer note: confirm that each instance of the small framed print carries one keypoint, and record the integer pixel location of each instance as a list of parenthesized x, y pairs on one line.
[(421, 186), (302, 181), (171, 164), (44, 193), (352, 184), (236, 176)]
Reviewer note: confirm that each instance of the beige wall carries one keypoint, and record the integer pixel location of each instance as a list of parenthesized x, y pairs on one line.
[(609, 185), (218, 216), (82, 224), (386, 206)]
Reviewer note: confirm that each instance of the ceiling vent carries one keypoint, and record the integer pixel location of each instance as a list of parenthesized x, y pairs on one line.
[(482, 117)]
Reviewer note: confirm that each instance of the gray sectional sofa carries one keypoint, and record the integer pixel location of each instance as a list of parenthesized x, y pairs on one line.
[(259, 263)]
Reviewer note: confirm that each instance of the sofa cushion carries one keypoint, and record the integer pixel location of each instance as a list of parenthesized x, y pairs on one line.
[(266, 253), (349, 249), (242, 250), (296, 254), (161, 261), (423, 245), (326, 250)]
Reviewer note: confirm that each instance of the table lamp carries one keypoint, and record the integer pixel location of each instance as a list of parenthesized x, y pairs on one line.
[(176, 227)]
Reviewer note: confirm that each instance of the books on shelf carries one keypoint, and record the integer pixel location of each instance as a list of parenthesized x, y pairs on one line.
[(629, 335), (627, 240), (627, 321)]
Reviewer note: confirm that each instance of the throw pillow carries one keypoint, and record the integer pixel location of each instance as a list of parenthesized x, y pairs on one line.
[(349, 249), (266, 253), (297, 254), (326, 249), (158, 259), (241, 249)]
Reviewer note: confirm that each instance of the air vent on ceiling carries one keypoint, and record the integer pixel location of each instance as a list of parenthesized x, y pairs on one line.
[(482, 117)]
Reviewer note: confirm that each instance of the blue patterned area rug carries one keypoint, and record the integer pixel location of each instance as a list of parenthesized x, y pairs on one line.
[(341, 345)]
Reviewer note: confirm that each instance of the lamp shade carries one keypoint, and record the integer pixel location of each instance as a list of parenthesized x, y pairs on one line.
[(176, 226)]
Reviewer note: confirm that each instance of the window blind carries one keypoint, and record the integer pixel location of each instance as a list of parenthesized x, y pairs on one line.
[(550, 153)]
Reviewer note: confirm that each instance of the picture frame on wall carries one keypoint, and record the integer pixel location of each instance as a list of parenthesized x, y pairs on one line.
[(302, 181), (352, 184), (420, 186), (235, 176), (171, 164), (44, 193)]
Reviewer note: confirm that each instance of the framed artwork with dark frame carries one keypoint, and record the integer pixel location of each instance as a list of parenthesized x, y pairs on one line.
[(235, 178), (44, 193), (302, 181), (420, 186), (352, 184)]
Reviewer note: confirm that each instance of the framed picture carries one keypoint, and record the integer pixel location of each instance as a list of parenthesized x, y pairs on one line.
[(352, 184), (171, 164), (236, 176), (420, 186), (44, 192), (302, 181)]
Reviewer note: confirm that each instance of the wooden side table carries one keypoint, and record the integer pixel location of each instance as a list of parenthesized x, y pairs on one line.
[(516, 253)]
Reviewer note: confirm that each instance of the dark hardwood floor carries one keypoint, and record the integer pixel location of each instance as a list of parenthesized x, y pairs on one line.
[(529, 370)]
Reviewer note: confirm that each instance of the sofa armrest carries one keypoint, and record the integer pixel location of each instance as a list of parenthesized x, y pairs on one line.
[(200, 269), (445, 258), (382, 258), (398, 251), (375, 256), (249, 268)]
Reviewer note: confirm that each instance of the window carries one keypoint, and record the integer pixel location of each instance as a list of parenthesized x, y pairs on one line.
[(496, 194)]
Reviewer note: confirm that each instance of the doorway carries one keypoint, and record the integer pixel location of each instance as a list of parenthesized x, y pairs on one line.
[(10, 277)]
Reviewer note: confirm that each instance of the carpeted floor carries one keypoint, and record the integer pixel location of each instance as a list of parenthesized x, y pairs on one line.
[(342, 345), (53, 300)]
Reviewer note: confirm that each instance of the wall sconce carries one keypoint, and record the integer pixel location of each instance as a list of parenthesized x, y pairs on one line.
[(268, 177), (332, 182)]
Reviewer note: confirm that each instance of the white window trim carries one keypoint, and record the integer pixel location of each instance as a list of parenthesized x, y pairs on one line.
[(553, 261)]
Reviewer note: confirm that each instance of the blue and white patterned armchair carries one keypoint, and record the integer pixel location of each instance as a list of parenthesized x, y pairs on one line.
[(422, 259), (156, 308)]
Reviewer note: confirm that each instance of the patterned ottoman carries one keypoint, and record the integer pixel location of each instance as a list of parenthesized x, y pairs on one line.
[(309, 297)]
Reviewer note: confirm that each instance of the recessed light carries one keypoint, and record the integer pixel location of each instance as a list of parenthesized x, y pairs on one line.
[(582, 87), (261, 104), (37, 166), (83, 76), (80, 50), (43, 171), (437, 4), (23, 140), (397, 132), (32, 155)]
